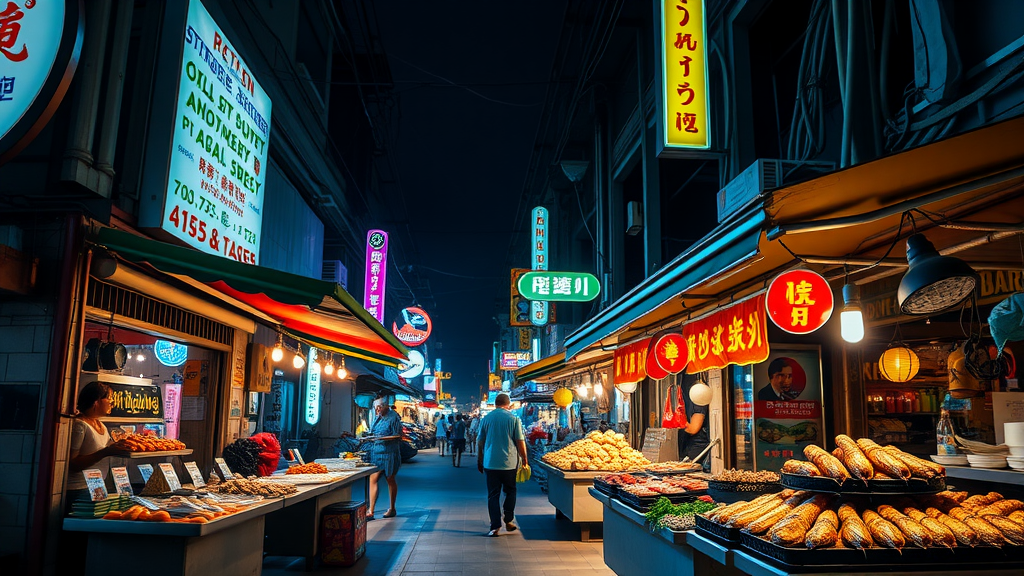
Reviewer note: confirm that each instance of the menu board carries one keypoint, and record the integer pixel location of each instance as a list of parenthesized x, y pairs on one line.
[(197, 476), (145, 470), (135, 402), (171, 476), (121, 482), (97, 487)]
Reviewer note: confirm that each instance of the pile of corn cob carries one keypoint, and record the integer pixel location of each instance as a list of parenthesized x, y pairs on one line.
[(949, 519), (863, 459)]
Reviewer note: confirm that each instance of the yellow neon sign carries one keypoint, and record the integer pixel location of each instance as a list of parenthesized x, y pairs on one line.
[(684, 69)]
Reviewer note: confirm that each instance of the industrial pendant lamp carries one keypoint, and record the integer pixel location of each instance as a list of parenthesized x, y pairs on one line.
[(933, 282), (851, 319), (278, 353)]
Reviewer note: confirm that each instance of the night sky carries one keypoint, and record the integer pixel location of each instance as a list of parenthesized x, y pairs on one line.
[(471, 79)]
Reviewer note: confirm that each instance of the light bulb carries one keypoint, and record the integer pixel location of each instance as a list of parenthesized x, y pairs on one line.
[(598, 390), (277, 354), (298, 361), (329, 369), (582, 391), (851, 319), (140, 357), (342, 373)]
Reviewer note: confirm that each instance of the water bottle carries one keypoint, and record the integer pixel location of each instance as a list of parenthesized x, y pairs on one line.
[(944, 435)]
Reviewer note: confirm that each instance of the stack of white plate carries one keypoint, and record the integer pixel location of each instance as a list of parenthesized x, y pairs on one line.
[(1015, 462), (986, 461), (950, 459)]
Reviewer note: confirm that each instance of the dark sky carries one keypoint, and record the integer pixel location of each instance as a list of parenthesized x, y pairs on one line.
[(462, 149)]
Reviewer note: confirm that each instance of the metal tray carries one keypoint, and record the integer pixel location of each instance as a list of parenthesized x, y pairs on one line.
[(841, 559), (606, 488), (856, 486), (731, 492), (716, 532), (643, 503)]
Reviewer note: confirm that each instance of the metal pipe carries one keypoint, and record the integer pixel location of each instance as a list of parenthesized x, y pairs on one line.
[(898, 208), (115, 88), (83, 130), (984, 226)]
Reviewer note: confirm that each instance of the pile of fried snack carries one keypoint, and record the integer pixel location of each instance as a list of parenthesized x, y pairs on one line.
[(802, 519), (862, 459), (608, 451)]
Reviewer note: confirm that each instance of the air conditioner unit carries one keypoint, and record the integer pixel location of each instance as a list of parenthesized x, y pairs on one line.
[(634, 217), (763, 175), (336, 272)]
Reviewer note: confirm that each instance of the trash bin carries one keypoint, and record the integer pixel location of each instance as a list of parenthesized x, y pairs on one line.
[(343, 533)]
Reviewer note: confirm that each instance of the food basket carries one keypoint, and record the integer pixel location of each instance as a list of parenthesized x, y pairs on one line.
[(857, 486), (716, 531), (729, 492), (841, 559)]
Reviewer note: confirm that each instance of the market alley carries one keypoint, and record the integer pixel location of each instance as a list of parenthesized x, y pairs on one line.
[(441, 526)]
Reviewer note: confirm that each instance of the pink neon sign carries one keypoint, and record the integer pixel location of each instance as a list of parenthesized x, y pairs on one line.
[(376, 272)]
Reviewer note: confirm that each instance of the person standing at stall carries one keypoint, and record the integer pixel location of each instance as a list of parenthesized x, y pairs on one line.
[(385, 454), (694, 436), (501, 448), (91, 443)]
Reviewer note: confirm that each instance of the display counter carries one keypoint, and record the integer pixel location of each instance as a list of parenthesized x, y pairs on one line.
[(232, 544), (569, 493)]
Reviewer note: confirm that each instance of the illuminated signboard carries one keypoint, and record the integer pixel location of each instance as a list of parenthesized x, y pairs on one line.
[(799, 301), (39, 46), (215, 185), (312, 388), (559, 286), (685, 112), (170, 353), (539, 308), (376, 273), (413, 328), (515, 360), (414, 367)]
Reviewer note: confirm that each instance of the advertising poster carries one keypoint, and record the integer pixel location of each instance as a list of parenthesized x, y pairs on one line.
[(788, 411)]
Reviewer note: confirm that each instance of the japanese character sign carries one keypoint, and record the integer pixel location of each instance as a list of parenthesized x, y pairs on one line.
[(630, 362), (799, 301), (736, 335), (376, 273), (686, 119), (559, 286), (539, 239)]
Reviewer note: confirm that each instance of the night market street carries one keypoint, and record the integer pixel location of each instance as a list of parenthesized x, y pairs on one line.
[(440, 527)]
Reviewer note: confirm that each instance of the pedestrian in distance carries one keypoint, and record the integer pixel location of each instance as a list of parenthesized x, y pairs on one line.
[(458, 440), (441, 434), (474, 425), (385, 453), (501, 449)]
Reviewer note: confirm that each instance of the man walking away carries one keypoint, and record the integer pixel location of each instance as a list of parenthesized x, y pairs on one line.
[(474, 425), (458, 440), (501, 445)]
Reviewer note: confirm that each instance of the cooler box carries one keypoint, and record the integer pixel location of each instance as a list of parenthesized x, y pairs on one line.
[(343, 533)]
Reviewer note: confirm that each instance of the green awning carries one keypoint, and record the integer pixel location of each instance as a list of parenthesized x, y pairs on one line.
[(541, 367), (319, 313)]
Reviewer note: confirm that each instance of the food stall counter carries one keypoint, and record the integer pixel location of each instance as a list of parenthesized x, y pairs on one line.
[(569, 493)]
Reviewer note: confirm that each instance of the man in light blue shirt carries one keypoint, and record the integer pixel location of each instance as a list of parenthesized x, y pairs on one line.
[(501, 445)]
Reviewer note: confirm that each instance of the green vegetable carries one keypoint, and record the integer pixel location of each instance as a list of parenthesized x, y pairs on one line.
[(663, 506)]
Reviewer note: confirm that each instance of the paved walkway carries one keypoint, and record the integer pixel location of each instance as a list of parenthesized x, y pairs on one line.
[(441, 526)]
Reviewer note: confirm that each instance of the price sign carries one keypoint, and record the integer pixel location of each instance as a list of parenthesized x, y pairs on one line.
[(145, 470), (170, 475), (197, 476), (121, 482), (97, 488), (225, 472)]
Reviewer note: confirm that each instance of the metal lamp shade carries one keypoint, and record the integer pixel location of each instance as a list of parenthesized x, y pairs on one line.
[(933, 282), (899, 364)]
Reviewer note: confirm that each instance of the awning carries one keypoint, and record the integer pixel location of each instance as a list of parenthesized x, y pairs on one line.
[(374, 383), (540, 368), (555, 367), (321, 314), (966, 194)]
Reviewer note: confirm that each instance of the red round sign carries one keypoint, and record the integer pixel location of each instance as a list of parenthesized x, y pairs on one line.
[(799, 301), (415, 328), (654, 371), (671, 353)]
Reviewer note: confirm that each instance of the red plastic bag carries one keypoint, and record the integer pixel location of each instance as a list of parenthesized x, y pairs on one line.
[(680, 418), (270, 452), (668, 419)]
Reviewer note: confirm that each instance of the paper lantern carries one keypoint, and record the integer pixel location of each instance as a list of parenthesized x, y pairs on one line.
[(700, 394), (899, 364), (562, 397), (626, 387)]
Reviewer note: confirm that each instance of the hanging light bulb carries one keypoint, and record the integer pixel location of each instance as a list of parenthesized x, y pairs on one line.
[(298, 361), (581, 390), (278, 353), (140, 357), (598, 389), (329, 369), (851, 318), (342, 372)]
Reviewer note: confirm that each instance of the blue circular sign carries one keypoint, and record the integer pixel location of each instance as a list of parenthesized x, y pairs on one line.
[(170, 353)]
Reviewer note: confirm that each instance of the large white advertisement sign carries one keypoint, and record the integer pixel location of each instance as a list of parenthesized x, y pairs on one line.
[(215, 186)]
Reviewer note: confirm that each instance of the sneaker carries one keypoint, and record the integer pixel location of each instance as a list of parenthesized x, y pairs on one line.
[(511, 526), (493, 533)]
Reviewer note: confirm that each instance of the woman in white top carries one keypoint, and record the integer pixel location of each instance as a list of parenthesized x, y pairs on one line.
[(90, 440)]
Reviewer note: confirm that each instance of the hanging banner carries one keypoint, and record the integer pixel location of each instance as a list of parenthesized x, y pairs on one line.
[(799, 301), (685, 120), (788, 412), (515, 360), (376, 273), (736, 335), (631, 362), (539, 308)]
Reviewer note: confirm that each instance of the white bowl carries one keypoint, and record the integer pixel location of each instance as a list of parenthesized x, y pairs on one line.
[(1017, 451), (1016, 465), (950, 459), (978, 461)]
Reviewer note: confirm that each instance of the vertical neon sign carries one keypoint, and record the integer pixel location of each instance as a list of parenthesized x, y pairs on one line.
[(312, 388), (538, 309), (376, 273)]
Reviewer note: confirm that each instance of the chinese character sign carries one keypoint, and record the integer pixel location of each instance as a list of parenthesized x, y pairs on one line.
[(559, 286), (799, 301), (630, 362), (684, 74), (312, 388), (515, 360), (787, 405), (539, 239), (736, 335), (671, 352), (220, 141), (376, 273)]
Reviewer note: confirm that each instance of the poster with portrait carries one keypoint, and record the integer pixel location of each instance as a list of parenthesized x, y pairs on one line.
[(788, 413)]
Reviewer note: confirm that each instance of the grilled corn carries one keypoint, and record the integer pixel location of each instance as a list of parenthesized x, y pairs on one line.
[(825, 532), (987, 533), (914, 532), (854, 533), (940, 534), (964, 534), (766, 521), (1010, 529), (917, 466), (800, 468), (1002, 507), (883, 461), (827, 464), (979, 501), (883, 532), (1017, 517), (792, 529), (854, 458)]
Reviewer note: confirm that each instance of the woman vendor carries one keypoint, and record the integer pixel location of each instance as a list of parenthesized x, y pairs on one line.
[(693, 435), (90, 440), (385, 454)]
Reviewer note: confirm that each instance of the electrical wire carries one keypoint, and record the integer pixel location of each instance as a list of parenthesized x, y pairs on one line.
[(463, 86)]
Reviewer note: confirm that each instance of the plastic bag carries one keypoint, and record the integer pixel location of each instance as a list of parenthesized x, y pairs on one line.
[(668, 419), (523, 473)]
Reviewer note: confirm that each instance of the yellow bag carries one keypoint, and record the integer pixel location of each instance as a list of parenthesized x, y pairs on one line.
[(523, 473)]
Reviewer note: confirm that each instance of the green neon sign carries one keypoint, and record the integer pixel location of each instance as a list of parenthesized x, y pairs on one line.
[(546, 286)]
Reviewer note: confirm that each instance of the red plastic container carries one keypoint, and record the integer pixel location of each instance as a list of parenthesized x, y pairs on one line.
[(343, 533)]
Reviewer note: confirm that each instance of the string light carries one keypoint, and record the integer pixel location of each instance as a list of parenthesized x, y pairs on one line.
[(329, 368), (278, 353), (298, 361), (342, 372)]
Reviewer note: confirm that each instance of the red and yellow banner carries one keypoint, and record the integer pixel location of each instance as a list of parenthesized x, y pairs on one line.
[(684, 69), (736, 335), (631, 362)]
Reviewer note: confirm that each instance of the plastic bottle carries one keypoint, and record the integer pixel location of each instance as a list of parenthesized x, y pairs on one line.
[(944, 435), (890, 403), (917, 401)]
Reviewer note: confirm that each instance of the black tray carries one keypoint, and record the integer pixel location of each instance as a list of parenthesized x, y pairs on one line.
[(606, 488), (643, 503), (841, 559), (857, 486), (731, 492), (716, 532)]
